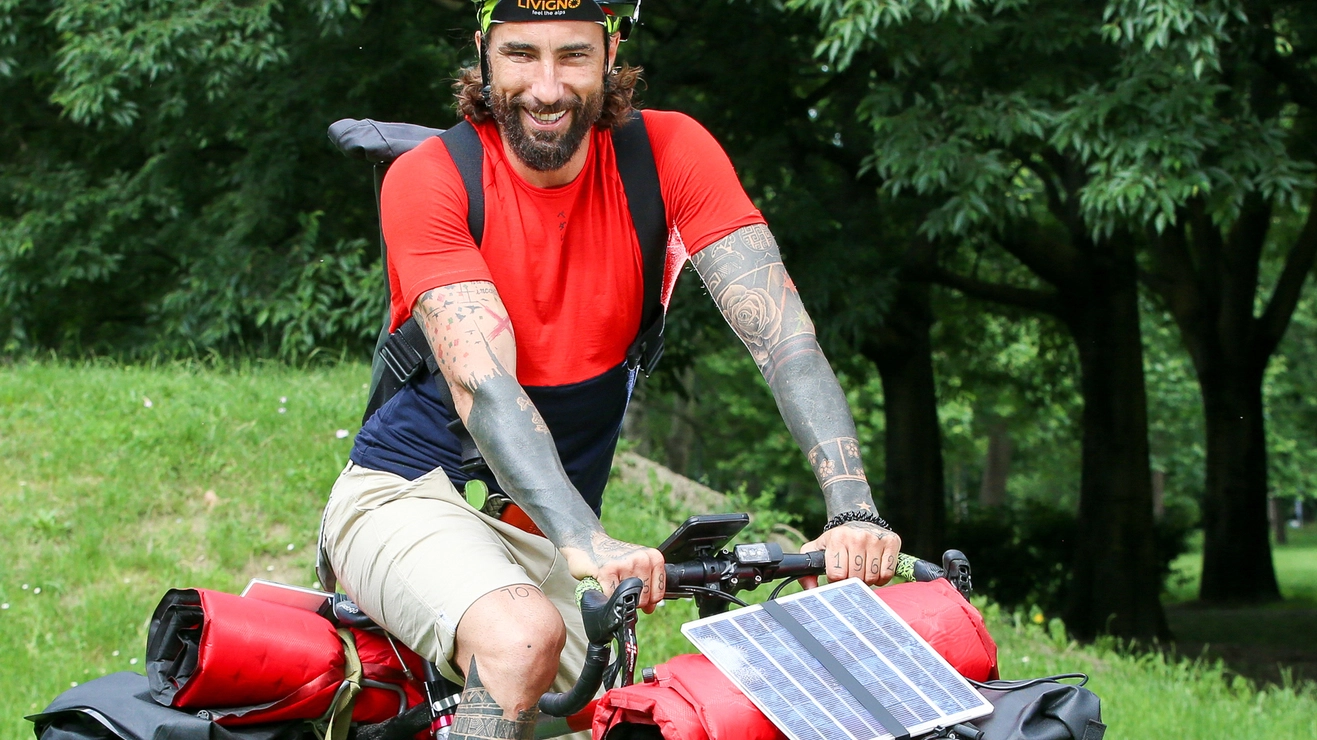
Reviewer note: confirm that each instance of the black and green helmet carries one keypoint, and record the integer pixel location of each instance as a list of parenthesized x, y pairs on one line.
[(616, 17)]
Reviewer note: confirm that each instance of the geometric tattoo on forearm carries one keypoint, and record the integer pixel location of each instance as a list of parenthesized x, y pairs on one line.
[(836, 460)]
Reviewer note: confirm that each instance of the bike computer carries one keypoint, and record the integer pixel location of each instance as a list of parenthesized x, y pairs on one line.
[(701, 535)]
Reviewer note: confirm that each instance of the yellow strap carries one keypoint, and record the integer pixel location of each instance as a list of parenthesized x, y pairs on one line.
[(340, 715)]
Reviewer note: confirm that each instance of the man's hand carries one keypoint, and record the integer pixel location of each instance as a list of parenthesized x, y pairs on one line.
[(859, 550), (612, 561)]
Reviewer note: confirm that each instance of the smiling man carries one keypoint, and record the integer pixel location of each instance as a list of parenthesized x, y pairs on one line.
[(532, 330)]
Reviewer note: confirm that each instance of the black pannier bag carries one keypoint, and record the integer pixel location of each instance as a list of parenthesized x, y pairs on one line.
[(1041, 709), (119, 707)]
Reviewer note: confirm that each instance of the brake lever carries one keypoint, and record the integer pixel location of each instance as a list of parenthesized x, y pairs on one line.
[(957, 570), (603, 617)]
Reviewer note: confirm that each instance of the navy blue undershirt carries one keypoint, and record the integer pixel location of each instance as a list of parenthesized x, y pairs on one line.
[(409, 435)]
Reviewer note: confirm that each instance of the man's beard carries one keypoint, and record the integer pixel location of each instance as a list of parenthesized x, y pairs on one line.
[(545, 151)]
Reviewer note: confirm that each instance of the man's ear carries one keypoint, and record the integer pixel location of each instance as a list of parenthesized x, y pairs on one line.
[(614, 42), (480, 56)]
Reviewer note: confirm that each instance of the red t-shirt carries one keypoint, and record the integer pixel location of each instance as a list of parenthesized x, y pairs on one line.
[(565, 260)]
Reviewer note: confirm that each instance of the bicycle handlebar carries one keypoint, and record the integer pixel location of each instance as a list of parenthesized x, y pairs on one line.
[(744, 567)]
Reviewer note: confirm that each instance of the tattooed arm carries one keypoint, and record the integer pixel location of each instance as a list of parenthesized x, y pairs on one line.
[(745, 276), (470, 333)]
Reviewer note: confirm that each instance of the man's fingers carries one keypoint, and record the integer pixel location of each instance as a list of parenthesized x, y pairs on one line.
[(839, 561), (647, 565), (655, 582)]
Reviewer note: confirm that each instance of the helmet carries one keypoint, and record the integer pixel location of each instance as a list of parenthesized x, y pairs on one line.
[(616, 17)]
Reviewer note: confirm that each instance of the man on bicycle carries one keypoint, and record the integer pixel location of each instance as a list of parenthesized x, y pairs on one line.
[(530, 330)]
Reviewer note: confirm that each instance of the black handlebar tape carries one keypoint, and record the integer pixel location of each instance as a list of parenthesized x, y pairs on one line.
[(803, 564), (575, 699)]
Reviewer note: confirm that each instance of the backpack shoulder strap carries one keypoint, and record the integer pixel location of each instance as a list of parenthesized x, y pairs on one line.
[(468, 154), (635, 164), (401, 354)]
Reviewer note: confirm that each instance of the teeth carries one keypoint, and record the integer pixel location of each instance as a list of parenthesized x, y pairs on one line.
[(548, 117)]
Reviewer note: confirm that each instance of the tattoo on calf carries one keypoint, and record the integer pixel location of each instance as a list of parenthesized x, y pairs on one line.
[(479, 717)]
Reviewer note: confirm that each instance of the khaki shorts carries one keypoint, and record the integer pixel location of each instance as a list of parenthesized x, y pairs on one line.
[(414, 556)]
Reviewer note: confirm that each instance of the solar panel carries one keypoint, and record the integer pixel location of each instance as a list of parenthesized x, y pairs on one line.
[(836, 662)]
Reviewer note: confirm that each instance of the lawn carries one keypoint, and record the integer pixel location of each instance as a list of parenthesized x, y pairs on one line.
[(1272, 642), (118, 483)]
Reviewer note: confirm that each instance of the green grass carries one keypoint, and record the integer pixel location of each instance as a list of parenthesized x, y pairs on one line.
[(105, 503), (1260, 641)]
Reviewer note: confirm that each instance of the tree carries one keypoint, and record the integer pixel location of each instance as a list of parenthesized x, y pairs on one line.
[(1245, 163), (960, 105), (166, 184), (1160, 127)]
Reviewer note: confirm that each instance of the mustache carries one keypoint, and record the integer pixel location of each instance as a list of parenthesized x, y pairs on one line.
[(532, 105)]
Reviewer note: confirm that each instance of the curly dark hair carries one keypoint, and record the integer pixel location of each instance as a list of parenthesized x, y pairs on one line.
[(619, 94)]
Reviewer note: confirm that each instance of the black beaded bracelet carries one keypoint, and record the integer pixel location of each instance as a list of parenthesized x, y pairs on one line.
[(856, 516)]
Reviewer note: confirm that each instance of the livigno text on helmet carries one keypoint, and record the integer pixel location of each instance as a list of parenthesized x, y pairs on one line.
[(548, 6)]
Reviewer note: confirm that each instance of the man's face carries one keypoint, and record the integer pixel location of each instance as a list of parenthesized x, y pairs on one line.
[(547, 88)]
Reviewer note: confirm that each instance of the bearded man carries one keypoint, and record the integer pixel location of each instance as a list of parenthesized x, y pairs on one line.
[(530, 331)]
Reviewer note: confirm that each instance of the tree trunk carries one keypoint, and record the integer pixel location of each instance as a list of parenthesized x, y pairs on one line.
[(681, 437), (1209, 281), (914, 497), (1115, 587), (996, 465), (1237, 564), (1158, 494), (1277, 520)]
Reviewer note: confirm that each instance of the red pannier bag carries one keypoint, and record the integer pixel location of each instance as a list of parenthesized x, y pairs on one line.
[(380, 664), (690, 699), (248, 661), (939, 614)]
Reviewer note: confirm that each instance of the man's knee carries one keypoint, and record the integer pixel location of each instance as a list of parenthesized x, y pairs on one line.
[(516, 636)]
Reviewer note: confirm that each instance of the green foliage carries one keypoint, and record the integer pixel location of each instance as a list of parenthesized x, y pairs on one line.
[(1291, 391), (1151, 693), (167, 186), (1016, 370), (1022, 554), (723, 429), (979, 93)]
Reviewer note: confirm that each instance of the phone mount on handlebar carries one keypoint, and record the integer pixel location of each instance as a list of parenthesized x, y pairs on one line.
[(702, 535)]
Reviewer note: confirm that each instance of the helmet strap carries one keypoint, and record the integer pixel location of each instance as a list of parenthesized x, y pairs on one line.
[(486, 76)]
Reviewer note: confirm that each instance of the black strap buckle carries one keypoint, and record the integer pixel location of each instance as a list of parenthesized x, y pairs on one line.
[(401, 352), (647, 349)]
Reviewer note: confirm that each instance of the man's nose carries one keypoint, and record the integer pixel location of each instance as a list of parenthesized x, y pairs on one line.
[(547, 87)]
